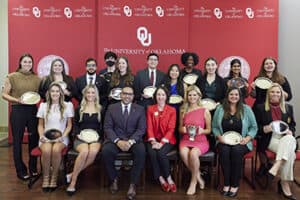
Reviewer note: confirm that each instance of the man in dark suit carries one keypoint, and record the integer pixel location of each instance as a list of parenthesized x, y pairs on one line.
[(92, 78), (150, 76), (124, 127)]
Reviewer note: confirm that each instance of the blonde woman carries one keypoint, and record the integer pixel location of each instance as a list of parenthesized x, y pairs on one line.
[(192, 114), (284, 146), (87, 116), (56, 114)]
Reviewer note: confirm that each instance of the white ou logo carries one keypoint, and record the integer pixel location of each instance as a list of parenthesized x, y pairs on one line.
[(143, 36), (36, 12), (68, 12), (249, 13), (218, 13), (159, 11), (127, 11)]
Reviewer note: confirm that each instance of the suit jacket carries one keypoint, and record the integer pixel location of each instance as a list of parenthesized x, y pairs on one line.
[(101, 85), (264, 117), (141, 81), (165, 123), (116, 128), (220, 88)]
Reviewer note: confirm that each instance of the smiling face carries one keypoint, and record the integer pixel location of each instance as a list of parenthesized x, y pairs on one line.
[(90, 95), (269, 66), (152, 62), (127, 95), (55, 93), (174, 72), (57, 67), (275, 95), (122, 66), (161, 97), (236, 69), (26, 63), (190, 62), (234, 96), (91, 67), (193, 97), (211, 67)]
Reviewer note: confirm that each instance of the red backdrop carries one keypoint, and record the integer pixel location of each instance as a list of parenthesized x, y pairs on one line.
[(78, 29)]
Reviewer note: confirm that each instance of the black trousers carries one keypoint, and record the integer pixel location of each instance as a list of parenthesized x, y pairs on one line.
[(231, 160), (24, 116), (109, 154), (159, 160)]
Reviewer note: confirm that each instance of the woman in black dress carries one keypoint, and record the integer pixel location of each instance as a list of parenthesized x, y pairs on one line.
[(87, 116)]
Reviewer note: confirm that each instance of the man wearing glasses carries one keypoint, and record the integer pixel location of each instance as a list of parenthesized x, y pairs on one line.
[(92, 78), (124, 127), (150, 76)]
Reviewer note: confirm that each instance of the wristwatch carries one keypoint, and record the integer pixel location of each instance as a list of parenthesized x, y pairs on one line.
[(131, 142)]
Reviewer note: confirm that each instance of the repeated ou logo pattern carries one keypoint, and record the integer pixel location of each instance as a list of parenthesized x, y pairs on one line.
[(68, 12), (218, 13), (249, 13), (36, 12), (143, 36), (159, 11), (127, 11)]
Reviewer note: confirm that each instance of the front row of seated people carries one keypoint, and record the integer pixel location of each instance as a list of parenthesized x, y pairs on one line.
[(125, 125)]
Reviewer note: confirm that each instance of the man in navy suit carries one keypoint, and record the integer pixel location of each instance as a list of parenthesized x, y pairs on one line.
[(124, 127), (92, 78), (150, 76)]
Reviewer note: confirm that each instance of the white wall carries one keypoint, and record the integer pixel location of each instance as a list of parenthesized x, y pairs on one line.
[(289, 49), (3, 59)]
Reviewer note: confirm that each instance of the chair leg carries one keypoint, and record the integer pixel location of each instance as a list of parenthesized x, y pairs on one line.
[(250, 182)]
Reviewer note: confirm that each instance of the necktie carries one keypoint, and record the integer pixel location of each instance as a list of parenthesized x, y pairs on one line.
[(91, 80), (126, 114), (152, 77)]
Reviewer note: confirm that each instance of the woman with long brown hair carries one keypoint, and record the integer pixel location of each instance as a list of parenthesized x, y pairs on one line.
[(22, 115)]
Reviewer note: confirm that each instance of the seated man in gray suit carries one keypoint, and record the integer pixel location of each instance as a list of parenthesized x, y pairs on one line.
[(149, 76), (124, 127)]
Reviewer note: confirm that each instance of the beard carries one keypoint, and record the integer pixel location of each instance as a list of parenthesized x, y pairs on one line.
[(91, 73)]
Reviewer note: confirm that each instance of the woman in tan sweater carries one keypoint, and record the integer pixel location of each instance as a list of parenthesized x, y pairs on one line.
[(22, 115)]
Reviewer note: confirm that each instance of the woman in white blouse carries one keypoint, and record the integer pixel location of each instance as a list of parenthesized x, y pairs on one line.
[(54, 114)]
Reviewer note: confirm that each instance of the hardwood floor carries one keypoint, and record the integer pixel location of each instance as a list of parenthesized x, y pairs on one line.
[(89, 187)]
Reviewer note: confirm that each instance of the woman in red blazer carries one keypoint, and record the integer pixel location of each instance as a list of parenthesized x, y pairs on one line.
[(161, 122)]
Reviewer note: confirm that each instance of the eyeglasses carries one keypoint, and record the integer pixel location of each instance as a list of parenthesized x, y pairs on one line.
[(91, 65), (127, 94)]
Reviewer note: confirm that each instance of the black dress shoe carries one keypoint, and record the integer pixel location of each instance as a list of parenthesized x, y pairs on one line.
[(232, 194), (280, 191), (114, 186), (224, 193), (23, 177), (131, 192), (270, 177)]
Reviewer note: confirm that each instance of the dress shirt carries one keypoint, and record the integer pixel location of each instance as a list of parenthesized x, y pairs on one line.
[(88, 78), (154, 77)]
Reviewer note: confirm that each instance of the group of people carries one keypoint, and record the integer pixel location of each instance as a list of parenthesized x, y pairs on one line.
[(138, 122)]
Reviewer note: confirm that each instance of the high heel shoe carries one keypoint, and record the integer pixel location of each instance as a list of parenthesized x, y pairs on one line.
[(70, 191), (172, 187), (165, 187), (53, 183), (280, 191), (232, 194), (45, 184)]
